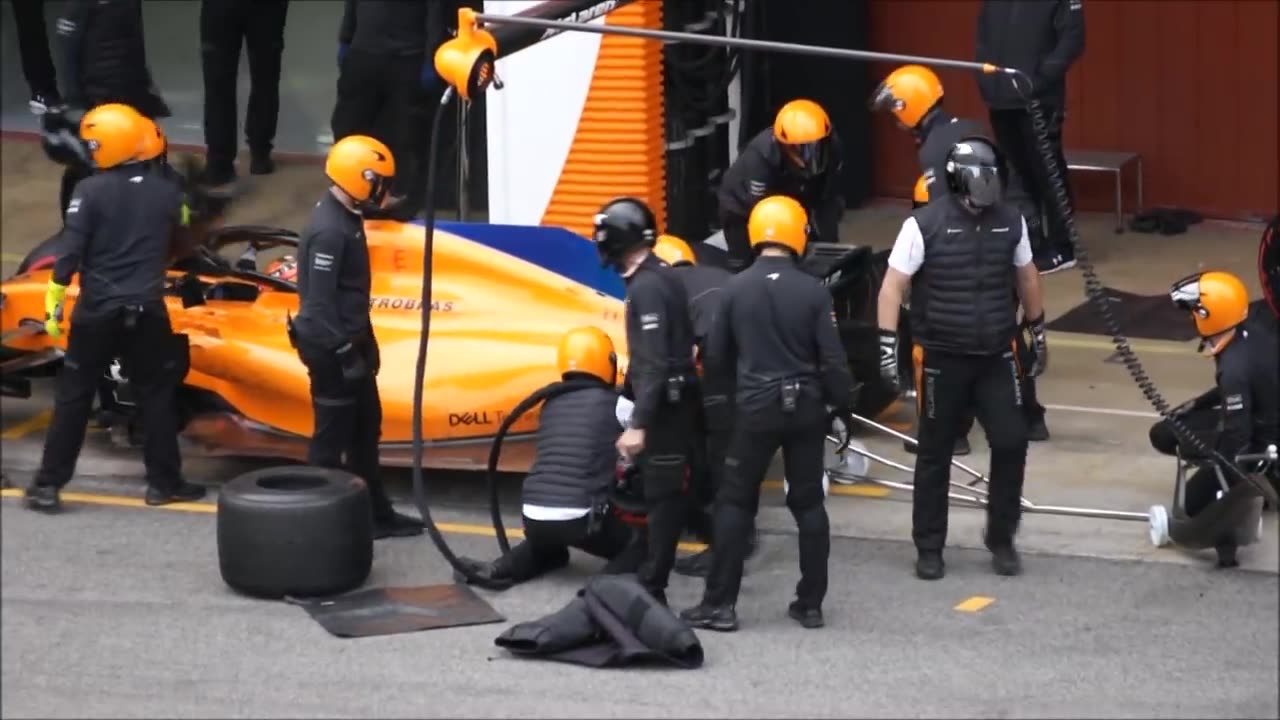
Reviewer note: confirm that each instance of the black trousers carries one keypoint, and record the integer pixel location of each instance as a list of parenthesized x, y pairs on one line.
[(155, 360), (1016, 136), (348, 418), (382, 96), (33, 47), (664, 465), (1203, 485), (952, 386), (1030, 402), (750, 452), (546, 546), (224, 26)]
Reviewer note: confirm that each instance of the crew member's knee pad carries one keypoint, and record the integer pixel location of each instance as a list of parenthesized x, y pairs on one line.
[(663, 476)]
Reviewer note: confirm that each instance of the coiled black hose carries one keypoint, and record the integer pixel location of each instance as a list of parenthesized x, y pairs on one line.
[(1096, 293)]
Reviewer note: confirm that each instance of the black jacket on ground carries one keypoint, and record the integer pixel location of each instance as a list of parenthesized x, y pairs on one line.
[(576, 458), (1042, 38), (960, 295), (613, 622), (104, 56), (396, 27), (941, 132), (333, 277), (1246, 371)]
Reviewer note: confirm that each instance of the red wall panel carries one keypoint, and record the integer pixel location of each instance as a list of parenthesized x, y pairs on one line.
[(1191, 86)]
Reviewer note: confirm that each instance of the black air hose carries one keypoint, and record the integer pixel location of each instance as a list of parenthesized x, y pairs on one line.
[(1096, 293), (495, 450), (420, 371)]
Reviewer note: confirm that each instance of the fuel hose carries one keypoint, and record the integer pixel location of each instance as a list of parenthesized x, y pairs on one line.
[(1096, 293)]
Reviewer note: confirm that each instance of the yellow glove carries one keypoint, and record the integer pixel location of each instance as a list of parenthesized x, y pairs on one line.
[(53, 299)]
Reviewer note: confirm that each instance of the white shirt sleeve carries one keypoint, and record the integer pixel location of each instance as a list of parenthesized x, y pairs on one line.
[(908, 250), (1022, 253), (622, 411)]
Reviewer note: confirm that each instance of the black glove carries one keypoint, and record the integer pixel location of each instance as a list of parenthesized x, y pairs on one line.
[(889, 358), (353, 366), (1039, 348)]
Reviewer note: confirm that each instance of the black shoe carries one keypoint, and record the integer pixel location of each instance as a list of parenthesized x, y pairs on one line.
[(43, 498), (809, 618), (1227, 556), (1005, 561), (43, 102), (261, 164), (488, 575), (393, 524), (929, 565), (696, 565), (182, 492), (709, 617), (1054, 262), (1037, 431), (217, 178)]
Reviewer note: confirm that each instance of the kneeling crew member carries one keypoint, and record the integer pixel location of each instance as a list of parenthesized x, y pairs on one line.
[(704, 285), (963, 257), (799, 157), (124, 225), (333, 333), (565, 494), (1242, 413), (661, 377), (776, 334)]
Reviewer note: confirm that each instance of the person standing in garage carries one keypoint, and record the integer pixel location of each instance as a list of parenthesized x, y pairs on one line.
[(387, 84), (224, 26), (37, 62), (963, 257), (124, 226), (1042, 39), (800, 157), (333, 332)]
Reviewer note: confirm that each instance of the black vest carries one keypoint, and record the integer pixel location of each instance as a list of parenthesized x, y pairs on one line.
[(960, 297), (576, 457)]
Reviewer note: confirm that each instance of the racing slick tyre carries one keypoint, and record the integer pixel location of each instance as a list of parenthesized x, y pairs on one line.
[(295, 531)]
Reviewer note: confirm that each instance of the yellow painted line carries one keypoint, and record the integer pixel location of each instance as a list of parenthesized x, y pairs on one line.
[(859, 490), (974, 604), (35, 423), (211, 508)]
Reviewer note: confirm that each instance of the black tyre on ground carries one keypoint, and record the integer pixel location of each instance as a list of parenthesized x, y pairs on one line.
[(295, 530)]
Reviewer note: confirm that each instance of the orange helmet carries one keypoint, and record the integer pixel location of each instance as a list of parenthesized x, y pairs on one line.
[(588, 350), (154, 143), (1218, 301), (361, 167), (920, 193), (779, 220), (113, 133), (674, 251), (803, 131), (909, 93)]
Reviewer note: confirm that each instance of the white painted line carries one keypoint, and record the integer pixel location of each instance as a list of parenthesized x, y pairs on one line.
[(1104, 411)]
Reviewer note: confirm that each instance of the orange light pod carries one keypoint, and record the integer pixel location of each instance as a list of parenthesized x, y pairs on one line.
[(467, 61)]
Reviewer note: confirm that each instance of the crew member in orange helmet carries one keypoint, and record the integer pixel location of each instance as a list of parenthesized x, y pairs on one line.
[(801, 157), (1241, 413)]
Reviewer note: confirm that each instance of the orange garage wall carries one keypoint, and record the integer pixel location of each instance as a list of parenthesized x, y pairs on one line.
[(1192, 86)]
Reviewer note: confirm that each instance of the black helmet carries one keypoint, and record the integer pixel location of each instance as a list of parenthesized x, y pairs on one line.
[(623, 225), (975, 172)]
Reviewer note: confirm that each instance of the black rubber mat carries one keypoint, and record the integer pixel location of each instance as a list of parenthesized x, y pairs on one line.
[(1151, 317), (391, 611)]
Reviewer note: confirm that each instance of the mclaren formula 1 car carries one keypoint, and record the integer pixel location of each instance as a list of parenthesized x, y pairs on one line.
[(502, 297)]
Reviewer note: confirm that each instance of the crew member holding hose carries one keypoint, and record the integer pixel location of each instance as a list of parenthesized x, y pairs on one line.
[(333, 333), (1242, 413), (776, 334), (566, 493), (704, 285), (801, 157), (123, 227), (965, 354), (913, 94), (661, 378)]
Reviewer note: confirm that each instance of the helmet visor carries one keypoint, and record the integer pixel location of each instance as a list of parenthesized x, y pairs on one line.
[(883, 100), (810, 158), (1185, 294), (979, 183)]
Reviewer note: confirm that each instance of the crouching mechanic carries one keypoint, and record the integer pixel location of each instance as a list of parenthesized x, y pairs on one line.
[(123, 227), (963, 257), (333, 333), (776, 335), (1240, 414), (661, 379), (565, 494), (799, 157)]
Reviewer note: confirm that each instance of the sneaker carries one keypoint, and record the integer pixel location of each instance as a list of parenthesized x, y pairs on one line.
[(809, 618), (394, 524), (487, 575), (1227, 555), (261, 164), (1050, 264), (182, 492), (929, 565), (1005, 561), (43, 498), (710, 617), (43, 102), (696, 565)]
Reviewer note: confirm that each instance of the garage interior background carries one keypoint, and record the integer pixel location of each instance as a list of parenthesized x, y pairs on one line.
[(1192, 86)]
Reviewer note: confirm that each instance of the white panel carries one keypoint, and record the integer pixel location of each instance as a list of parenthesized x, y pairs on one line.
[(533, 119)]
